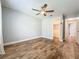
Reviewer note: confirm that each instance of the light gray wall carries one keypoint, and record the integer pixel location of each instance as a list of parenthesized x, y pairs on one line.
[(47, 26), (18, 26)]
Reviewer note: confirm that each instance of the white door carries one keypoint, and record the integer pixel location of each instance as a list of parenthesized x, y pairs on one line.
[(78, 32), (78, 37), (71, 30)]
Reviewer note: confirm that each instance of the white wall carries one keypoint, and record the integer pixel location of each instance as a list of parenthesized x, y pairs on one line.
[(47, 28), (18, 26), (1, 36)]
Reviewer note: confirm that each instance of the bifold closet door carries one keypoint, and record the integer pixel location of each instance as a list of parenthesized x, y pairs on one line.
[(1, 36), (57, 29)]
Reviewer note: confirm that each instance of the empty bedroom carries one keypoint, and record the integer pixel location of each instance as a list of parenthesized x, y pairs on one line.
[(39, 29)]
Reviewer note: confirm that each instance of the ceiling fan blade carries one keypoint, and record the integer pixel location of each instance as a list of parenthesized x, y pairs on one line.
[(45, 6), (37, 13), (50, 11), (36, 10)]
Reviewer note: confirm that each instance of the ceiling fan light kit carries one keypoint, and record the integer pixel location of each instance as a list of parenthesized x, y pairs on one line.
[(42, 12)]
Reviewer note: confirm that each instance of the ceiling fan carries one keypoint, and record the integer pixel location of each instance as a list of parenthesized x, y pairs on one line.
[(43, 10)]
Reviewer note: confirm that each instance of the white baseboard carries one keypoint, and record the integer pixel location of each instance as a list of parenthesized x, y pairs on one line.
[(51, 38), (2, 52), (9, 43), (47, 37)]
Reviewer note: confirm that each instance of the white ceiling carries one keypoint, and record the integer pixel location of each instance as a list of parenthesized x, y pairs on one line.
[(68, 7)]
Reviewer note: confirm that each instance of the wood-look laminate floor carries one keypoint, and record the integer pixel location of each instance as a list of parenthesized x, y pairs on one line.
[(41, 48)]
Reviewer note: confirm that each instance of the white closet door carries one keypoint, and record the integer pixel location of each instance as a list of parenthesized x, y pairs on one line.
[(1, 36), (78, 32), (71, 31), (78, 37)]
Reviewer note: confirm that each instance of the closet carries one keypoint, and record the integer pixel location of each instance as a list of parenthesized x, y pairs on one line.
[(57, 29)]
